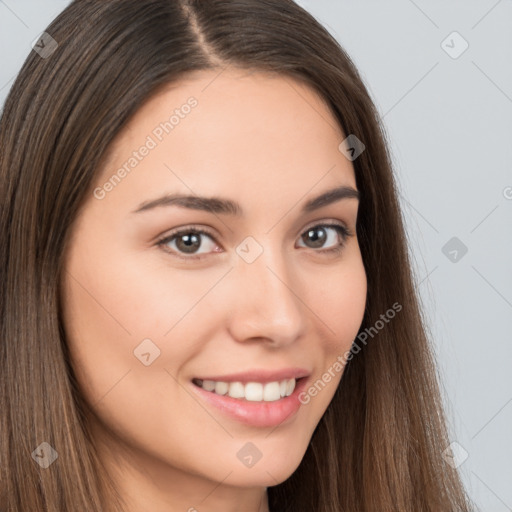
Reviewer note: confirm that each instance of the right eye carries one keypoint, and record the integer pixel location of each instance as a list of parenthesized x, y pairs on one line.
[(186, 241)]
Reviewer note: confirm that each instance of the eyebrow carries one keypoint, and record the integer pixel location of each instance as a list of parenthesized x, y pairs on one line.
[(230, 207)]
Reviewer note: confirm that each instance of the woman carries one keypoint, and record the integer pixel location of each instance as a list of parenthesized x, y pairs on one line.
[(208, 302)]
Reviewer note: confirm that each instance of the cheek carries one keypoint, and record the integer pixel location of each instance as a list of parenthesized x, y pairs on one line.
[(103, 319), (98, 336), (114, 303), (341, 304), (109, 309)]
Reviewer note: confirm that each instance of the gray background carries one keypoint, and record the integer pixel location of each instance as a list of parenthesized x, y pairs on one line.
[(450, 125)]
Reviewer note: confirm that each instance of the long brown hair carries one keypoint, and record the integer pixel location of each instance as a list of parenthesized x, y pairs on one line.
[(379, 445)]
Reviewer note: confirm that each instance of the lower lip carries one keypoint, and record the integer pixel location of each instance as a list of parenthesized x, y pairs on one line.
[(256, 414)]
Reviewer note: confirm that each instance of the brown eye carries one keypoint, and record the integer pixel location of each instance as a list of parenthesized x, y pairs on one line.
[(317, 236), (187, 242)]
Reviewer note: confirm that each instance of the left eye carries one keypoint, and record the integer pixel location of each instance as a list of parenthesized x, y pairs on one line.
[(337, 230), (189, 240)]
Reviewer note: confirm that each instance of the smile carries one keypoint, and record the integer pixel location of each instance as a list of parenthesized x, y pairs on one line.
[(251, 391), (258, 399)]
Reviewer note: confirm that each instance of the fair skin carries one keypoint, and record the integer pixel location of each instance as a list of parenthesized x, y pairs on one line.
[(270, 144)]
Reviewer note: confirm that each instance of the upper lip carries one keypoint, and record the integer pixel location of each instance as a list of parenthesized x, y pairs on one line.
[(262, 376)]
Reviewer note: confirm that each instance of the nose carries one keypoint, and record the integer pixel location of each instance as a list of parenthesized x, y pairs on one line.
[(267, 303)]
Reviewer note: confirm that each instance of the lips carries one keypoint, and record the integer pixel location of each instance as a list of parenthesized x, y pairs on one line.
[(262, 375), (258, 398)]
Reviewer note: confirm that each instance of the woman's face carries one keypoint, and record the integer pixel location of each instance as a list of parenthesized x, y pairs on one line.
[(271, 296)]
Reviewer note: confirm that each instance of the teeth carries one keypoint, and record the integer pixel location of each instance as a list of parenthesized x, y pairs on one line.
[(221, 388), (209, 385), (236, 390), (290, 387), (271, 392), (252, 391)]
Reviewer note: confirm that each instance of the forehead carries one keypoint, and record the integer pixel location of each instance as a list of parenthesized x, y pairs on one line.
[(246, 130)]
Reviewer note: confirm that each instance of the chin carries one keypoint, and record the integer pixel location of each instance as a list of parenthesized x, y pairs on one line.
[(266, 472)]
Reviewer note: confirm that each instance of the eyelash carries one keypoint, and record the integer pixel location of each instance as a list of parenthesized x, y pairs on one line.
[(340, 228)]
